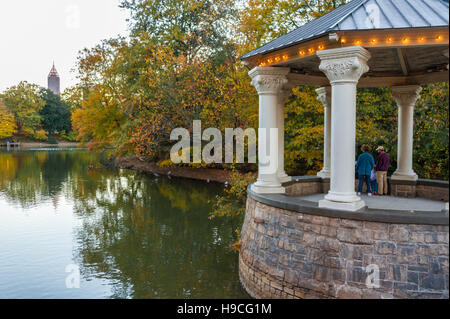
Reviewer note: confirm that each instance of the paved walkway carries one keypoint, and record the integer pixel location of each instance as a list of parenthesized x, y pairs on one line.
[(390, 202)]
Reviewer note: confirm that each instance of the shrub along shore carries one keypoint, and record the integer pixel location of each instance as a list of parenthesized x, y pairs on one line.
[(199, 173)]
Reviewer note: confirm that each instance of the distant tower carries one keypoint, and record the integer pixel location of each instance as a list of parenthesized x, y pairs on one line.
[(53, 80)]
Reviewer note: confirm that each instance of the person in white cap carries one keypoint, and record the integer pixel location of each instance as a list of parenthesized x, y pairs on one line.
[(382, 166)]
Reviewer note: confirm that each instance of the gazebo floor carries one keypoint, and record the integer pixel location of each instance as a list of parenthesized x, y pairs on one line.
[(389, 202)]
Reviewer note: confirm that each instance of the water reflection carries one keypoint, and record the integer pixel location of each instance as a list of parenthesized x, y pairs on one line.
[(142, 236)]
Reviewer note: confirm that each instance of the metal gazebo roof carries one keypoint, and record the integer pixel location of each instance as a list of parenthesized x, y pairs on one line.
[(365, 15)]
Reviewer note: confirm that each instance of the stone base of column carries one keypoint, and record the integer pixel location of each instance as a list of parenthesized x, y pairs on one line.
[(352, 206), (399, 176), (324, 174), (284, 178), (267, 189), (445, 210)]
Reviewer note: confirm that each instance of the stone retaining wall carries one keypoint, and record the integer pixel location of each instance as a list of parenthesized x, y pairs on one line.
[(291, 254)]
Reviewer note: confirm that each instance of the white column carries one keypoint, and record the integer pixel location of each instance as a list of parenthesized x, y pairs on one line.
[(285, 92), (406, 97), (324, 96), (343, 67), (268, 81)]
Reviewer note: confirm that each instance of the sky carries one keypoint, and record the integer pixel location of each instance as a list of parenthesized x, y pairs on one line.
[(34, 33)]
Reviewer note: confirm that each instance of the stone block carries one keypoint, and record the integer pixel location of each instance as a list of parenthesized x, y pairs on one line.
[(413, 277), (309, 239), (276, 285), (291, 276), (385, 248), (320, 220), (328, 231), (401, 289), (288, 291), (431, 282), (436, 238), (354, 236), (422, 260), (321, 273), (356, 274), (395, 272), (348, 223), (439, 266), (312, 228), (380, 235), (418, 268), (376, 226), (347, 292), (398, 233), (406, 254), (417, 237)]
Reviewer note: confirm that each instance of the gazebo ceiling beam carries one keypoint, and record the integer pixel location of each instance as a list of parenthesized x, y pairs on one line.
[(313, 80), (303, 79), (403, 61)]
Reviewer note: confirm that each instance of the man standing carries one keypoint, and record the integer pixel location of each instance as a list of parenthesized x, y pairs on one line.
[(382, 167)]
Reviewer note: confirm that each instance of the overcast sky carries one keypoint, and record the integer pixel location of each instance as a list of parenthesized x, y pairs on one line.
[(36, 32)]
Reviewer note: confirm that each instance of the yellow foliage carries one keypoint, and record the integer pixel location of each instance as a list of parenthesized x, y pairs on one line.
[(40, 135), (8, 125), (166, 163)]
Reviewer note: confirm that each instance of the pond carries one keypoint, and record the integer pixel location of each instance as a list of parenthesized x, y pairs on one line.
[(127, 234)]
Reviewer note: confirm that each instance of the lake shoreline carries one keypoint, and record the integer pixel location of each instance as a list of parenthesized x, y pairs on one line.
[(35, 144), (204, 174)]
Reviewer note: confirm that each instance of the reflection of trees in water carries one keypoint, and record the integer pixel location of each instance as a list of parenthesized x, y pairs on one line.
[(154, 239), (31, 177), (151, 237)]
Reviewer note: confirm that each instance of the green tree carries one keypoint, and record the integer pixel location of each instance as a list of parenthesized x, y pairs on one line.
[(72, 97), (189, 27), (25, 103), (55, 114)]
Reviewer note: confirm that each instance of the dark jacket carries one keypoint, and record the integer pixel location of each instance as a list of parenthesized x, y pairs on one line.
[(365, 163), (383, 162)]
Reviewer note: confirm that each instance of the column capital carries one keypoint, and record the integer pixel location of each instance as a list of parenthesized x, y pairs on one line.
[(406, 95), (268, 80), (344, 65), (324, 95)]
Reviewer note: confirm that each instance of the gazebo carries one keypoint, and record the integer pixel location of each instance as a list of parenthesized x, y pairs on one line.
[(365, 43), (312, 236)]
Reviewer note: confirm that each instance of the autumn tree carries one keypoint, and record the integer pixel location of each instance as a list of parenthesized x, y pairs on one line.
[(24, 101), (98, 120), (261, 21), (72, 97), (7, 122)]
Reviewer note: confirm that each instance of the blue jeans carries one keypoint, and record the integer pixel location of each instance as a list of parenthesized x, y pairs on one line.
[(362, 179), (374, 186)]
